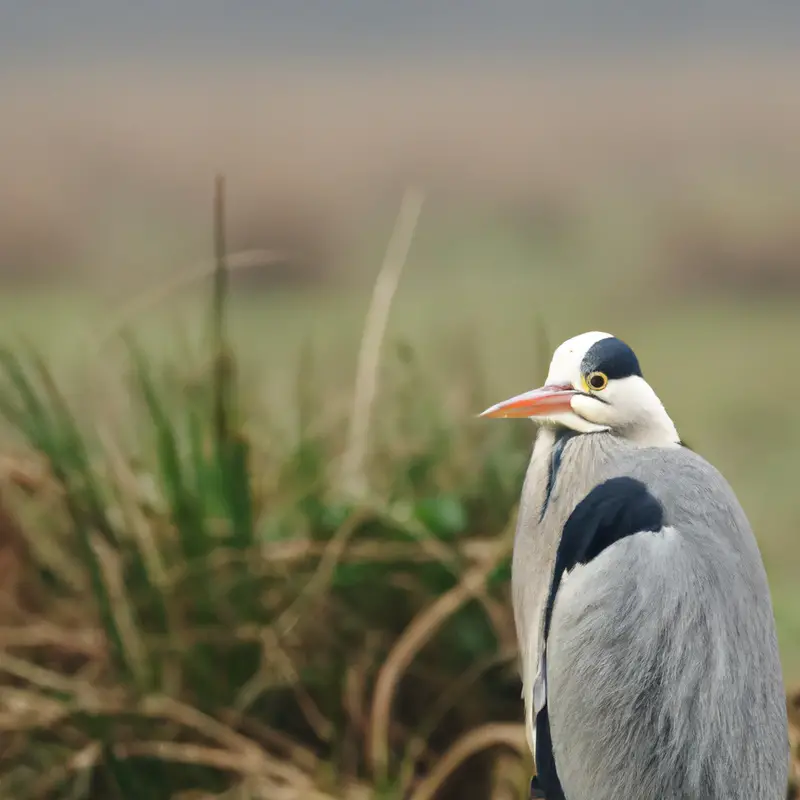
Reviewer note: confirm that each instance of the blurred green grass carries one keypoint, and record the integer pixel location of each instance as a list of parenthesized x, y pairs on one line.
[(465, 331)]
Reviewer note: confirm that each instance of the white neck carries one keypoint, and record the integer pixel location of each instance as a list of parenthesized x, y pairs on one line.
[(650, 425)]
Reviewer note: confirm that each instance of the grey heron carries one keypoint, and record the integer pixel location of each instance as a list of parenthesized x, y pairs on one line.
[(648, 649)]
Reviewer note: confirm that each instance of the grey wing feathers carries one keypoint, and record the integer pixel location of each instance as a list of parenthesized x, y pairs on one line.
[(663, 678)]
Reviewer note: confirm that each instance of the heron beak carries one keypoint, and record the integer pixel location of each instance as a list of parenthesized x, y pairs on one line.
[(540, 402)]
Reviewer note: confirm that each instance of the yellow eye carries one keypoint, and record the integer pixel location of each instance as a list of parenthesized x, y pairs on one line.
[(597, 381)]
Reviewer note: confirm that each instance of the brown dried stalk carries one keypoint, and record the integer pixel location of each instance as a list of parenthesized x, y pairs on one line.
[(366, 386)]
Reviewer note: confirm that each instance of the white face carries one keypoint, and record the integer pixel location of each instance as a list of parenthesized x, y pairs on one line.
[(593, 388), (627, 405), (565, 370)]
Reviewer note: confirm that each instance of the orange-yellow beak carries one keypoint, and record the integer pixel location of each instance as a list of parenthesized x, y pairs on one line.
[(540, 402)]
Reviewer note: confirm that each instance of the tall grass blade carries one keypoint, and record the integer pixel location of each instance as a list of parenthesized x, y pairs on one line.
[(185, 509), (51, 429)]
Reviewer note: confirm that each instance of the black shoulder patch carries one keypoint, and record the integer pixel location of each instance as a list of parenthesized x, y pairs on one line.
[(613, 510), (612, 357)]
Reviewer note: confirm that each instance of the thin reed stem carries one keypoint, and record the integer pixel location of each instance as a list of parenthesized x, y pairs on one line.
[(366, 385)]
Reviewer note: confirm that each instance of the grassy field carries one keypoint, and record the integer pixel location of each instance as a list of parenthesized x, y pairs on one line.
[(200, 610)]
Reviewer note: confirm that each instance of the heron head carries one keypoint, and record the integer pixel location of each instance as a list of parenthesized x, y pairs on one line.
[(595, 384)]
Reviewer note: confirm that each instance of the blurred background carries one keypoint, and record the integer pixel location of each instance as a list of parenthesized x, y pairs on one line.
[(587, 164)]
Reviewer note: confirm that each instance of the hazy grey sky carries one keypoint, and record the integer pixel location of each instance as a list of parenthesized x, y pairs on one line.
[(34, 31)]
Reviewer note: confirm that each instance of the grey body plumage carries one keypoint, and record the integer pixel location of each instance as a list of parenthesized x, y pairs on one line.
[(661, 673)]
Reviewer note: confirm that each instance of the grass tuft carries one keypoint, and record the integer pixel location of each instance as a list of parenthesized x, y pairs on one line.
[(244, 625)]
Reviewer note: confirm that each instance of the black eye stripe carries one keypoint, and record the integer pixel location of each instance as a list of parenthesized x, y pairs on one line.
[(613, 358), (593, 396)]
